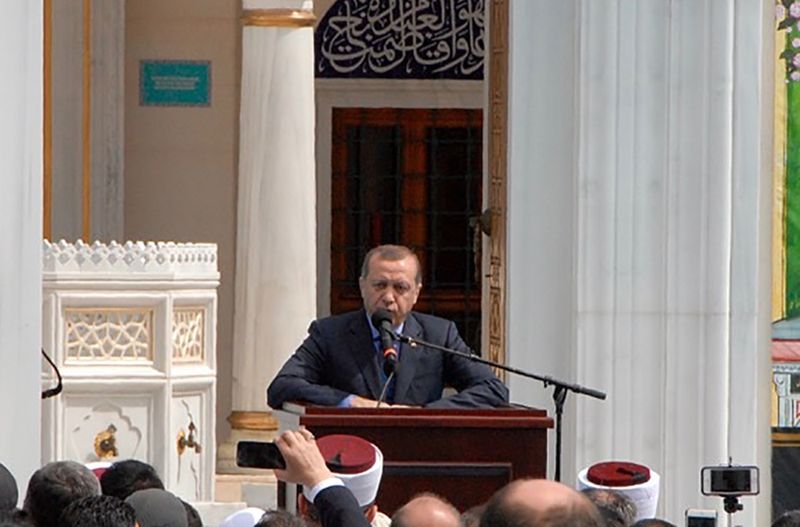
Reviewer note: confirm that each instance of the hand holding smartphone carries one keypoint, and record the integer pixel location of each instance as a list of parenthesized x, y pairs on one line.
[(257, 454)]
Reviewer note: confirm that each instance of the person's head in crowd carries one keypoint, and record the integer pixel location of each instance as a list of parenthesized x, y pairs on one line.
[(427, 510), (653, 522), (391, 279), (472, 516), (8, 490), (14, 518), (355, 461), (53, 487), (158, 508), (243, 518), (616, 509), (192, 516), (98, 511), (279, 518), (539, 503), (123, 478), (788, 519)]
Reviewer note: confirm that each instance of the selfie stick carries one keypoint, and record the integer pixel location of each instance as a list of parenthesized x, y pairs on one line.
[(560, 391)]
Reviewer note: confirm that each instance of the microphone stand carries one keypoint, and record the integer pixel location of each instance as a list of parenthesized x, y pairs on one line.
[(560, 391)]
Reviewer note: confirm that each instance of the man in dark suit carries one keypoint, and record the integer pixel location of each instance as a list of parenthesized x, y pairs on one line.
[(335, 503), (339, 363)]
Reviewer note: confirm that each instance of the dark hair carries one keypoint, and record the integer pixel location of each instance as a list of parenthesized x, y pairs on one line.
[(653, 522), (192, 516), (54, 486), (616, 508), (500, 513), (8, 490), (123, 478), (279, 518), (472, 516), (788, 519), (14, 518), (392, 253), (399, 517), (158, 508), (98, 511)]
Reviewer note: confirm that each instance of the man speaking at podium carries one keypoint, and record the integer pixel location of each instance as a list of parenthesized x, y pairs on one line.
[(341, 362)]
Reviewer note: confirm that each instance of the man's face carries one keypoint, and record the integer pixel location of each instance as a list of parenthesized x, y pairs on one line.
[(391, 285)]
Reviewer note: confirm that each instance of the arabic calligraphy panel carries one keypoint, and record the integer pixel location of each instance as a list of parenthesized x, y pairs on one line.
[(418, 39)]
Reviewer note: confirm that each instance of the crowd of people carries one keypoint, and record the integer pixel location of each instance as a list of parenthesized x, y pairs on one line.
[(68, 494), (340, 476)]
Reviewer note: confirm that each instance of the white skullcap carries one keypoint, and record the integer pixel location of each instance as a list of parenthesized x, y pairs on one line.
[(243, 518), (355, 461), (637, 482)]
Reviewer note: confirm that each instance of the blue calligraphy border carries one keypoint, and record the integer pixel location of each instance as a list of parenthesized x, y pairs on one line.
[(402, 39)]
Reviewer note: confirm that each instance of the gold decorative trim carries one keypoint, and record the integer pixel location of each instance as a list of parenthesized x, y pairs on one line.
[(498, 161), (781, 113), (87, 119), (253, 421), (785, 439), (278, 18)]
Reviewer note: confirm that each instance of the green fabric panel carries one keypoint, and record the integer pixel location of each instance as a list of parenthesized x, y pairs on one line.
[(792, 203)]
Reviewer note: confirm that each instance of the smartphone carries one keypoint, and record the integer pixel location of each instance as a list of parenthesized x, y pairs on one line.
[(701, 518), (257, 454), (729, 480)]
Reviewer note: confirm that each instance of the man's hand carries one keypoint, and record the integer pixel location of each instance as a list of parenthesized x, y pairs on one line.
[(304, 462), (363, 402)]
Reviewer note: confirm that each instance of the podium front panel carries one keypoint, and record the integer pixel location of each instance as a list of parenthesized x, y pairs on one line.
[(463, 455)]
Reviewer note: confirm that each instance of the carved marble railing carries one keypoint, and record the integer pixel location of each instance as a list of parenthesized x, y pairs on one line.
[(132, 328)]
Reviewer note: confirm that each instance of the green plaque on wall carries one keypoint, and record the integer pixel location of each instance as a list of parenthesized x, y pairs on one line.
[(175, 83)]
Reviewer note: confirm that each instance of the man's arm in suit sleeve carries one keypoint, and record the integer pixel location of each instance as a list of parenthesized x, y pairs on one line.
[(338, 507), (303, 376), (477, 385), (305, 465)]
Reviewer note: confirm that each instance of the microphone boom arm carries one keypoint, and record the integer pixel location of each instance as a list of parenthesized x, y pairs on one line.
[(546, 379), (559, 393)]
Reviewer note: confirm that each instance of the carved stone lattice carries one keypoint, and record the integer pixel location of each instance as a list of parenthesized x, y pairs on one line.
[(108, 334), (188, 334)]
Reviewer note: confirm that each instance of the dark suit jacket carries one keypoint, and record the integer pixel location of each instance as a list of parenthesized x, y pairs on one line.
[(338, 358), (338, 508)]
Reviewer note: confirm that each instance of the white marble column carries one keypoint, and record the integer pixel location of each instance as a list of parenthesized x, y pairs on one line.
[(21, 237), (639, 231), (276, 241)]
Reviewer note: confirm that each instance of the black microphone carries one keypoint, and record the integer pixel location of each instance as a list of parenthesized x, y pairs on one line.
[(382, 320)]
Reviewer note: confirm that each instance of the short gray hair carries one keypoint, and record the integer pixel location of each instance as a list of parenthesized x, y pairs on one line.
[(392, 253)]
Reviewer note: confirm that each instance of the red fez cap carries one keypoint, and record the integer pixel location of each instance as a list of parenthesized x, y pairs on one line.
[(618, 474), (345, 454)]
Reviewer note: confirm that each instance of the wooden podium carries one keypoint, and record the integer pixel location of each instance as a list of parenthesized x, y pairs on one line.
[(463, 455)]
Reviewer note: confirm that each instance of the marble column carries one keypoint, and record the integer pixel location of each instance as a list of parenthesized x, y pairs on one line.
[(276, 240), (21, 235), (639, 232)]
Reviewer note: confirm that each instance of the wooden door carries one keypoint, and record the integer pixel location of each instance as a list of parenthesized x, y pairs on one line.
[(410, 177)]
